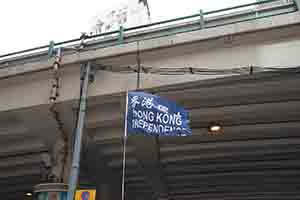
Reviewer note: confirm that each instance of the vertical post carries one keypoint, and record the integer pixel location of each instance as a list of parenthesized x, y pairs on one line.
[(51, 49), (78, 135), (124, 149), (121, 35), (297, 2), (202, 23), (138, 59)]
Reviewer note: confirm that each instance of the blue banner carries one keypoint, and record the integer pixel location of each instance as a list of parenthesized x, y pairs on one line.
[(152, 115)]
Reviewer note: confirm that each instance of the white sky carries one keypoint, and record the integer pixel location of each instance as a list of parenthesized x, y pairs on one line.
[(29, 23)]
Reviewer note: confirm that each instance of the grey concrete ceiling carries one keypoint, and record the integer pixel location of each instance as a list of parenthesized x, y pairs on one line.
[(256, 156)]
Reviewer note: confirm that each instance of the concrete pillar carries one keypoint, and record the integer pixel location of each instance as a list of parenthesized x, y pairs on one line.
[(59, 159), (56, 163)]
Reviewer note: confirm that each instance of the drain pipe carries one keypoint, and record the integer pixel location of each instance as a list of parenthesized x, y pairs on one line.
[(87, 76)]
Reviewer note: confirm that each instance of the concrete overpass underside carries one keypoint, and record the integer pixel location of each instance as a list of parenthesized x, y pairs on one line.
[(256, 155)]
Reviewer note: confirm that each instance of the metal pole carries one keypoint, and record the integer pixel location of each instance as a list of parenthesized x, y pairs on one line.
[(124, 150), (78, 136), (138, 59)]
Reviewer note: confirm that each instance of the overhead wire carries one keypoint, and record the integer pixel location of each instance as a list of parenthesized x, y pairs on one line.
[(197, 70)]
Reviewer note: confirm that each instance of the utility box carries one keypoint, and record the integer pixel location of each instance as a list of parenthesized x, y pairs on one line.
[(51, 191)]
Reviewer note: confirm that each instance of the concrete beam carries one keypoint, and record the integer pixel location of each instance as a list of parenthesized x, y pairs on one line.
[(22, 172), (201, 117), (179, 39), (23, 148), (208, 96), (260, 153), (230, 133), (21, 180), (148, 154), (250, 131), (229, 148), (246, 114), (237, 93), (26, 187), (270, 85), (20, 160), (265, 53), (14, 129)]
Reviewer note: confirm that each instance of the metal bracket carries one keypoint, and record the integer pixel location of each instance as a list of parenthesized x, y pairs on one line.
[(92, 72), (82, 38)]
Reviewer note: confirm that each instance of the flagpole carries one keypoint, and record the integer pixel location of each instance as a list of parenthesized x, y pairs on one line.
[(125, 129), (124, 149)]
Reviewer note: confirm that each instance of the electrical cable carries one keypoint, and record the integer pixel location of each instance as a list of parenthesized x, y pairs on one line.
[(198, 71)]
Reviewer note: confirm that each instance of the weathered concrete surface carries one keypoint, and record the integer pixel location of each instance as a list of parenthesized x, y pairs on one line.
[(261, 124), (172, 40), (245, 104), (265, 42)]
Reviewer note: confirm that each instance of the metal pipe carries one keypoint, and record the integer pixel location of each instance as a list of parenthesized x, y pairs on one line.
[(73, 179), (246, 20), (24, 51), (239, 6), (161, 22), (197, 15)]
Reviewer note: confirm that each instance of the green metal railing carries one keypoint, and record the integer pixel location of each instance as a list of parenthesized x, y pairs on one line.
[(120, 36)]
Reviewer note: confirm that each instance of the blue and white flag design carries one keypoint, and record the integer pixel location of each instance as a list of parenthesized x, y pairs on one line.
[(152, 115)]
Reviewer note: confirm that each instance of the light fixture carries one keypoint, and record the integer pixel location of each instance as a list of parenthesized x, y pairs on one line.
[(28, 194), (215, 128)]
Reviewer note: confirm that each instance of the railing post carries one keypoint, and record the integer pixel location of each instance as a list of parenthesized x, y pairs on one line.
[(297, 2), (51, 49), (121, 35), (202, 23)]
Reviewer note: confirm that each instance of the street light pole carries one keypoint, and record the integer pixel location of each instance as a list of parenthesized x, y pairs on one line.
[(85, 79)]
